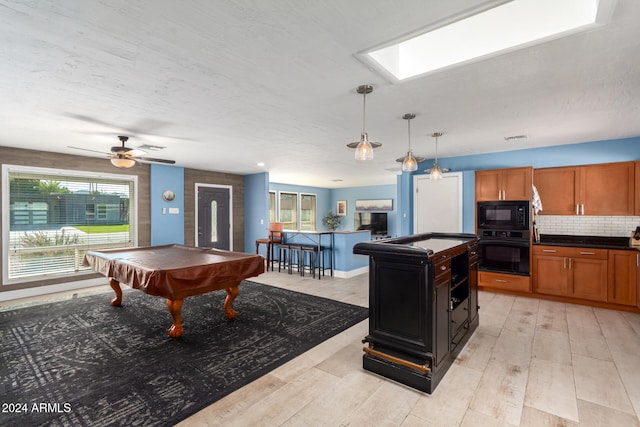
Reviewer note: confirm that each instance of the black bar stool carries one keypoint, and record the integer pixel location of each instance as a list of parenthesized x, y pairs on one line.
[(309, 252)]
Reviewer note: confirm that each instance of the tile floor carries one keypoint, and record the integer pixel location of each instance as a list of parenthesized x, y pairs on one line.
[(529, 363)]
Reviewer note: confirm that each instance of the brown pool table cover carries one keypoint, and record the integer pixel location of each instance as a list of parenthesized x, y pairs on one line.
[(175, 271)]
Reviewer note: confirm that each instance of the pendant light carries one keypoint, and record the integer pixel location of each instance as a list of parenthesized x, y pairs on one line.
[(410, 163), (436, 172), (364, 148)]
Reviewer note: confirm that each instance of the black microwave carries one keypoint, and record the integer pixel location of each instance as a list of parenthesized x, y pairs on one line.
[(503, 215)]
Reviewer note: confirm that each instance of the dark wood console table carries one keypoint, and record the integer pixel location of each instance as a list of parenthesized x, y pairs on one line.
[(423, 305)]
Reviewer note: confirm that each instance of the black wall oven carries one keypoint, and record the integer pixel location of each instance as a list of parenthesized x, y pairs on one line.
[(504, 253), (504, 232)]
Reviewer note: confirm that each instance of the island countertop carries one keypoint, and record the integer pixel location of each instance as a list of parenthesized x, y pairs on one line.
[(422, 245)]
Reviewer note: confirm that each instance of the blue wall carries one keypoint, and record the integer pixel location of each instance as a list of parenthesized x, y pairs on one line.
[(371, 192), (256, 209), (617, 150), (170, 228), (166, 228)]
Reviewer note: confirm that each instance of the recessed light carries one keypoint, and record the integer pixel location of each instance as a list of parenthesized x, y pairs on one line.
[(260, 164)]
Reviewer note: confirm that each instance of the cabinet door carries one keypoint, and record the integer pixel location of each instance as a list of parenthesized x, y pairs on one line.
[(607, 189), (550, 274), (442, 322), (588, 278), (637, 189), (516, 183), (558, 190), (622, 283), (488, 185), (473, 286)]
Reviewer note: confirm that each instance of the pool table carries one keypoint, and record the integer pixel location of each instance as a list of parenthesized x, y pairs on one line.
[(176, 272)]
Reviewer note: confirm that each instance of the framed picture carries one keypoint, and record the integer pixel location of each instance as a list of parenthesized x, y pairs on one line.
[(341, 208), (374, 205)]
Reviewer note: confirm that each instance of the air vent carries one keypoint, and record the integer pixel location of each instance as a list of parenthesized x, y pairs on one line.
[(515, 138)]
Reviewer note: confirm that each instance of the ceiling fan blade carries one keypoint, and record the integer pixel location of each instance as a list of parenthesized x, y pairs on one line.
[(134, 152), (152, 160), (86, 149)]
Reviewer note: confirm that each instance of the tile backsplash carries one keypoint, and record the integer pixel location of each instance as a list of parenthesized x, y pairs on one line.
[(578, 225)]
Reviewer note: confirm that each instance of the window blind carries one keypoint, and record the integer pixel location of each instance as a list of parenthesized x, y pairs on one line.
[(55, 216)]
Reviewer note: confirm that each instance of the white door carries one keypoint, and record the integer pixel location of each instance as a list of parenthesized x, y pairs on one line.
[(437, 204)]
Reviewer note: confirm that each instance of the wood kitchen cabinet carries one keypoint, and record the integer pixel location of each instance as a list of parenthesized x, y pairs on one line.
[(637, 189), (623, 277), (558, 190), (603, 189), (507, 282), (504, 184), (567, 271)]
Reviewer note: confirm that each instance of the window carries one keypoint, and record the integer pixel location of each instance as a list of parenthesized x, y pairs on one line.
[(53, 216), (289, 210), (294, 215), (272, 206), (214, 221), (307, 212)]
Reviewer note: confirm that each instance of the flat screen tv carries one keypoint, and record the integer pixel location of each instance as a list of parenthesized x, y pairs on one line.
[(374, 221)]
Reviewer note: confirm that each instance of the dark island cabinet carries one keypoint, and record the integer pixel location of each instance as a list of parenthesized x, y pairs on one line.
[(423, 296)]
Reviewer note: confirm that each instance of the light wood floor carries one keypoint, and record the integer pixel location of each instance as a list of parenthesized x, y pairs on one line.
[(529, 363)]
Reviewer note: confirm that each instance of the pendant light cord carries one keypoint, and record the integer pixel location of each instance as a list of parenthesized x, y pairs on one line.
[(364, 108), (409, 125)]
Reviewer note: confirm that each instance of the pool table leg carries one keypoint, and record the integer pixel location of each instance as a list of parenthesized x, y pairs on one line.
[(115, 285), (232, 293), (175, 308)]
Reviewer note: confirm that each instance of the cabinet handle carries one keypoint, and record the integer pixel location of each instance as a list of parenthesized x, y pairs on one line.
[(501, 281), (587, 253), (549, 250), (570, 263), (443, 267), (582, 207), (564, 262), (577, 209)]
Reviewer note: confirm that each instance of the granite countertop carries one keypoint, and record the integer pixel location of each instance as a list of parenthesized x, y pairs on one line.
[(603, 242)]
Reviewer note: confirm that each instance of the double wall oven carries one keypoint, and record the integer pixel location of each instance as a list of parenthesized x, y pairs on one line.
[(504, 232)]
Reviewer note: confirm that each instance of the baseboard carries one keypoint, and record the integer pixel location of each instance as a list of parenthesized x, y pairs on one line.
[(351, 273), (51, 289)]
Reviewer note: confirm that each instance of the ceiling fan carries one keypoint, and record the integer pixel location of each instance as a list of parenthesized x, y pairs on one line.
[(125, 157)]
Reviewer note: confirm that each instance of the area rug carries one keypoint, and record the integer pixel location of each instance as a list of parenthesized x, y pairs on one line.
[(82, 362)]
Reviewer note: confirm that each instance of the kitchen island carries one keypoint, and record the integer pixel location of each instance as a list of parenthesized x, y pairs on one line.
[(423, 305)]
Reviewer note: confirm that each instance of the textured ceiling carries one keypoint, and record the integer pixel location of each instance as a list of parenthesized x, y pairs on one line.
[(224, 85)]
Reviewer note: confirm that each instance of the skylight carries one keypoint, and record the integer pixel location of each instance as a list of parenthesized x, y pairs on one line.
[(510, 26)]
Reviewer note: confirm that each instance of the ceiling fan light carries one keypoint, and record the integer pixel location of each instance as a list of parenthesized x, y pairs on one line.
[(409, 164), (364, 150), (122, 162)]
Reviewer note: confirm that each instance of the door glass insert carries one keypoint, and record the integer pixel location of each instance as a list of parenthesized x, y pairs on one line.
[(214, 221)]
